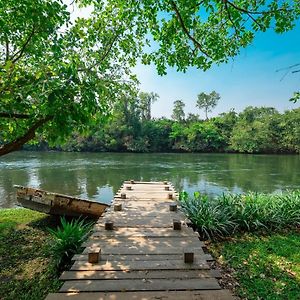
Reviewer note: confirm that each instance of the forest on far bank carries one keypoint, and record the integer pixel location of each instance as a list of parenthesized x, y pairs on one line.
[(130, 128)]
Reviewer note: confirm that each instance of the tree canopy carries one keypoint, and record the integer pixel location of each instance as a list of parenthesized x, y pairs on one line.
[(56, 75)]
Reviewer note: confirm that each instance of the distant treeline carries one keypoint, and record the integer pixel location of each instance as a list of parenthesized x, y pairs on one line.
[(255, 130)]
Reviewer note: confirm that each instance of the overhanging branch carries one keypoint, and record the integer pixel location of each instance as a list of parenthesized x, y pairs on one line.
[(20, 141), (185, 30)]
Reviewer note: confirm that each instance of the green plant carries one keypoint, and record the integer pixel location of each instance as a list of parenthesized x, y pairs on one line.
[(209, 217), (230, 213), (68, 239)]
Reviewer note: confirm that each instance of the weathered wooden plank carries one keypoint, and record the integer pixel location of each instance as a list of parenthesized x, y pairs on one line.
[(139, 265), (128, 213), (143, 232), (142, 257), (145, 245), (148, 274), (161, 295), (140, 285)]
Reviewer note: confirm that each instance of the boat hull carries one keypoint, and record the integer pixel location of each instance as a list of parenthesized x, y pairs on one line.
[(58, 204)]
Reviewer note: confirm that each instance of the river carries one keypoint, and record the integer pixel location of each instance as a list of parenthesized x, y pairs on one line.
[(98, 176)]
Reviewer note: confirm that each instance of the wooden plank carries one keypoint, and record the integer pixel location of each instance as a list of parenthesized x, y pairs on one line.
[(139, 265), (142, 257), (161, 295), (140, 285), (128, 213), (140, 244), (143, 232), (148, 274)]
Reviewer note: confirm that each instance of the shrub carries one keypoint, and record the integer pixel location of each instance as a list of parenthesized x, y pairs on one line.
[(68, 239), (226, 214)]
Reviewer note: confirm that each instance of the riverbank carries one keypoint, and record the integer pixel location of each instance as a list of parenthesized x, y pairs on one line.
[(27, 271), (254, 266)]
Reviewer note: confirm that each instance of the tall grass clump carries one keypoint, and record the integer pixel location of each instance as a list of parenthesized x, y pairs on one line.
[(68, 239), (209, 217), (229, 213)]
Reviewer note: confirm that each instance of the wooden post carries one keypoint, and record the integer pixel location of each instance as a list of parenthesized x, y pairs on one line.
[(123, 196), (188, 256), (117, 206), (129, 188), (132, 181), (167, 188), (94, 255), (109, 225), (170, 196), (176, 224), (173, 207)]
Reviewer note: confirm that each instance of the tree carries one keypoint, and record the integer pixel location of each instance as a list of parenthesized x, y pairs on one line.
[(146, 99), (55, 80), (207, 101), (178, 112), (56, 76), (199, 33)]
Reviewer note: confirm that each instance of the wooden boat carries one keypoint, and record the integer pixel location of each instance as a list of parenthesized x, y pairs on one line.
[(57, 204)]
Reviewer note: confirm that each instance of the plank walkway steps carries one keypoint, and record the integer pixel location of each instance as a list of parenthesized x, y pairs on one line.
[(145, 251)]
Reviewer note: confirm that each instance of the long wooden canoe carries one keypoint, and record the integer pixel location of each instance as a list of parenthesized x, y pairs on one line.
[(58, 204)]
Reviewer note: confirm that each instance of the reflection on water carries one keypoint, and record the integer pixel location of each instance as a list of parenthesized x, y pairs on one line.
[(98, 176)]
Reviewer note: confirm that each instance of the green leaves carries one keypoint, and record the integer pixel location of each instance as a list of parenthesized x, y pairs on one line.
[(68, 239)]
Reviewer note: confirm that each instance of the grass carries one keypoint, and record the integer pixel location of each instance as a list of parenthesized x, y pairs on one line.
[(26, 268), (29, 262), (266, 267)]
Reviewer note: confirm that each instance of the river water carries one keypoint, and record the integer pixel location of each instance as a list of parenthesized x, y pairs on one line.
[(98, 176)]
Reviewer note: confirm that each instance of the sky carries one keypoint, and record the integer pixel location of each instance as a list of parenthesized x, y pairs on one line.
[(248, 79)]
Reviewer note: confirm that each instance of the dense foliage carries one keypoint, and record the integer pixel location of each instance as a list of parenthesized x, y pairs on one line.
[(57, 75), (230, 213), (255, 130)]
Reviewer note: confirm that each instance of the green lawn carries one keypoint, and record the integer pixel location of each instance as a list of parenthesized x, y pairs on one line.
[(266, 267), (26, 269)]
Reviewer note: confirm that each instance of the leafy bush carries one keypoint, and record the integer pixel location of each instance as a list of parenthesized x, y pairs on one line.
[(68, 239), (230, 213)]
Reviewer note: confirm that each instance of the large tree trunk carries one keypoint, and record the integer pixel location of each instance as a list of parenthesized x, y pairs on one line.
[(20, 141)]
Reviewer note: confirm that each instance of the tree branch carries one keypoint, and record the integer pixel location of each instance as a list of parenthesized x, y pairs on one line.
[(19, 53), (20, 141), (104, 55), (254, 12), (14, 115), (185, 30), (6, 48)]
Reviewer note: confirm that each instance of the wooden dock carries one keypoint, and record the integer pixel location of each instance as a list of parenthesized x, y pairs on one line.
[(142, 249)]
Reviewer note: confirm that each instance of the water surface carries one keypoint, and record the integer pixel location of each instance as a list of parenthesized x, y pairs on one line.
[(98, 176)]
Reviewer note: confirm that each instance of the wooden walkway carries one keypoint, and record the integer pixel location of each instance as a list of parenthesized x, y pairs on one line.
[(143, 251)]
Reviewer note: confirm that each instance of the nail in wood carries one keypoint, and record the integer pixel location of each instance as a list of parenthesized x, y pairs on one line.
[(167, 188), (129, 188), (123, 196), (132, 181), (170, 196)]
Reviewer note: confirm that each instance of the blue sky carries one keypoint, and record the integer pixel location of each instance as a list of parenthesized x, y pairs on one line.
[(248, 79)]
